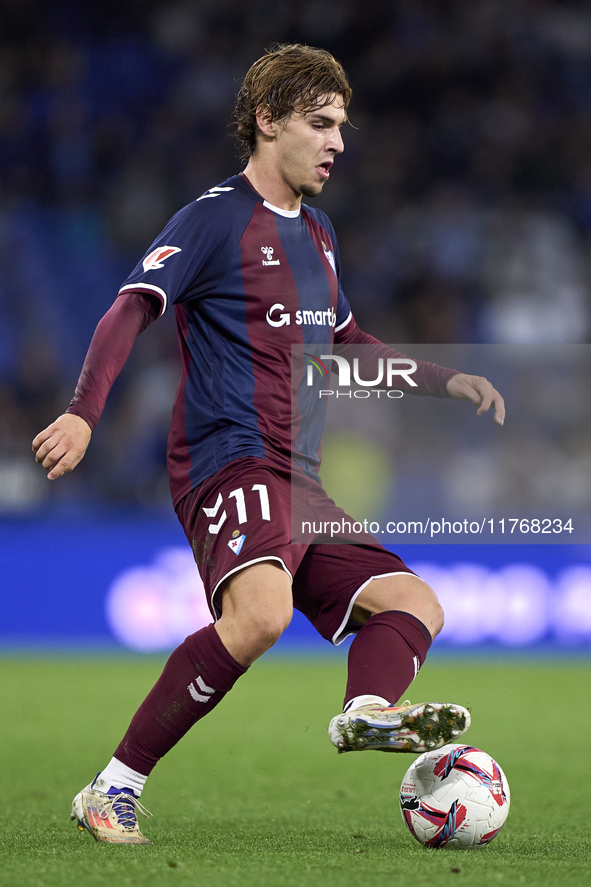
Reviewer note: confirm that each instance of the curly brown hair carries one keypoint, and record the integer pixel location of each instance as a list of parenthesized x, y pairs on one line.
[(289, 77)]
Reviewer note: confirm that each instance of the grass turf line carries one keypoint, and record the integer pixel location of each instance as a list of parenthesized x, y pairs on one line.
[(256, 795)]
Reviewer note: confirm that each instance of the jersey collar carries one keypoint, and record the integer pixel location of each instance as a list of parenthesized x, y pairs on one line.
[(286, 213)]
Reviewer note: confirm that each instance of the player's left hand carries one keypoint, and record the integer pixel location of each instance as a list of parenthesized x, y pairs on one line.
[(480, 392)]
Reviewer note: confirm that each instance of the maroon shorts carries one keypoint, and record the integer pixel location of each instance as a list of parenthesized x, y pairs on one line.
[(243, 515)]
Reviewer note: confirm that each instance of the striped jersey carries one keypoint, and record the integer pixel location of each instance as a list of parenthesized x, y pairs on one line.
[(247, 280)]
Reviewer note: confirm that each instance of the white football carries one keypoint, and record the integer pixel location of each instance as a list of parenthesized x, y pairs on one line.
[(457, 796)]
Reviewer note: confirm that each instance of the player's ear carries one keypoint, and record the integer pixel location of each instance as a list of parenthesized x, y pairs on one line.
[(266, 126)]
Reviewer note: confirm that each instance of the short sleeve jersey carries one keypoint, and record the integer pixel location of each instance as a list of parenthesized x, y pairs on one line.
[(247, 280)]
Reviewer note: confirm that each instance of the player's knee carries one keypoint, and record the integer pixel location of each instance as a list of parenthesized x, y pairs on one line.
[(267, 628), (407, 593)]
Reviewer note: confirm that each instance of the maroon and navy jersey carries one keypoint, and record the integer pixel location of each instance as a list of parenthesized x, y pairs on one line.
[(247, 281)]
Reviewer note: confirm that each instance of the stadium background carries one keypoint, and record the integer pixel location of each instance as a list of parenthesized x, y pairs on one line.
[(463, 209)]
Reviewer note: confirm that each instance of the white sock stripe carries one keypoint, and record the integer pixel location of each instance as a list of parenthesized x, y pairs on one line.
[(203, 686)]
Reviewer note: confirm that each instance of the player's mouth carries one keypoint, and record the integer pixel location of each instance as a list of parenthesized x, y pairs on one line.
[(324, 168)]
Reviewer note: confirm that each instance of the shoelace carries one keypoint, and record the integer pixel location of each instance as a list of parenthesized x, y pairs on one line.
[(124, 807)]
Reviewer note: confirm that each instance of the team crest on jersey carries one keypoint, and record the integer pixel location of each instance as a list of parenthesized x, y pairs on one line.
[(268, 251), (158, 255), (330, 256), (236, 542)]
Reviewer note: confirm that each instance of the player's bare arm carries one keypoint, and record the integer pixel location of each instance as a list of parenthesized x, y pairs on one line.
[(62, 445), (480, 392)]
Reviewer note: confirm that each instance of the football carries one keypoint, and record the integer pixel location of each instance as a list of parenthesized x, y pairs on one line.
[(457, 796)]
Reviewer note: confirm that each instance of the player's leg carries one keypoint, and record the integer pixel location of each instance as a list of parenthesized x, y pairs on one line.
[(207, 664), (256, 608), (365, 589), (399, 616), (246, 564)]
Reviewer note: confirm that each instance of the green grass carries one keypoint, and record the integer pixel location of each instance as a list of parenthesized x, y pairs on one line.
[(256, 795)]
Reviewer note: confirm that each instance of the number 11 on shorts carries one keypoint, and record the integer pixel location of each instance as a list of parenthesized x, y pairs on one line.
[(238, 496)]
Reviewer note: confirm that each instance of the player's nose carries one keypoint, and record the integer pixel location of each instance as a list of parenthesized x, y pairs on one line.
[(335, 143)]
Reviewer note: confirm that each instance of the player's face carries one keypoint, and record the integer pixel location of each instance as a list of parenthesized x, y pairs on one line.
[(306, 146)]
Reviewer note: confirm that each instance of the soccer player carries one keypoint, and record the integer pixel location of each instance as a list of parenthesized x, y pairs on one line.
[(251, 271)]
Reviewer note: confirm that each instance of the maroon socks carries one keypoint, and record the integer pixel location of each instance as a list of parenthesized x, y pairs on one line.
[(196, 677), (386, 655)]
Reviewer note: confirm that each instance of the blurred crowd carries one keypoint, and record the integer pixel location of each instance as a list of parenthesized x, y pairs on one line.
[(462, 202)]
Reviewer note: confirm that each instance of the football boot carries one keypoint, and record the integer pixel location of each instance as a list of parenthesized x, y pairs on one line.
[(399, 728), (109, 816)]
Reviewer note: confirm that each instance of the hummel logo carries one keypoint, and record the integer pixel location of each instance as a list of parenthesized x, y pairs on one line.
[(200, 697), (213, 192), (268, 251)]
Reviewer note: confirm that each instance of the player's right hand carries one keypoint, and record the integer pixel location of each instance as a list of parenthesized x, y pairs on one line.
[(62, 445)]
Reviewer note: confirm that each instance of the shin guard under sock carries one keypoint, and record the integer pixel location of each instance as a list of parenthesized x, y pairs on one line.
[(196, 677), (386, 655)]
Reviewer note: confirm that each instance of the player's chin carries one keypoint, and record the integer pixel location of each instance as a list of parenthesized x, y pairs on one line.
[(311, 190)]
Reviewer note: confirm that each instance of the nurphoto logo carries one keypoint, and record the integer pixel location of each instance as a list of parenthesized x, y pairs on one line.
[(386, 373)]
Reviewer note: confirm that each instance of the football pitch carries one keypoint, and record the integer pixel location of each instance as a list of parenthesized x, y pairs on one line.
[(255, 795)]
